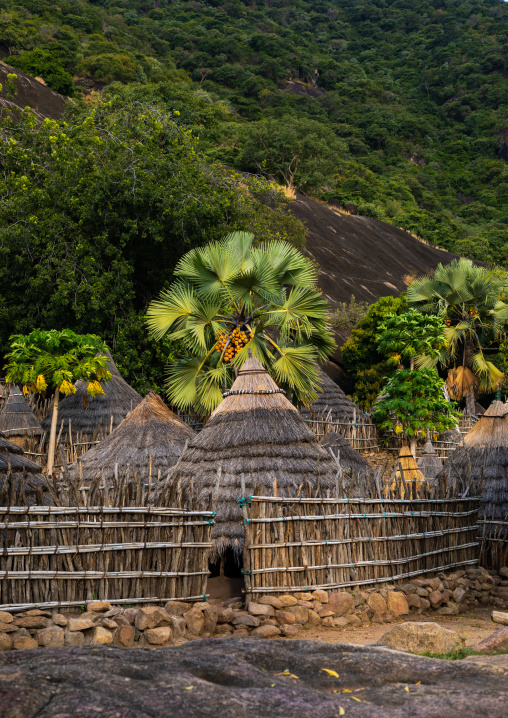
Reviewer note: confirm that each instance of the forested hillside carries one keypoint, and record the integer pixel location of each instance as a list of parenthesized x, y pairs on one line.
[(397, 108)]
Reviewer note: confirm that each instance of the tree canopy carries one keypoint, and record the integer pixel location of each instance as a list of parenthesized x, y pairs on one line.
[(413, 94), (98, 208)]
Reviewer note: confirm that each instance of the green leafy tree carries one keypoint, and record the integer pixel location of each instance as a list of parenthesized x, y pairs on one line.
[(408, 335), (412, 402), (470, 301), (98, 208), (54, 360), (360, 354), (42, 63), (302, 153), (232, 296)]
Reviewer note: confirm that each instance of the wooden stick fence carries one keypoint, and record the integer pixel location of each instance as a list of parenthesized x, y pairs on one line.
[(301, 544), (97, 542), (362, 435), (493, 537), (71, 555)]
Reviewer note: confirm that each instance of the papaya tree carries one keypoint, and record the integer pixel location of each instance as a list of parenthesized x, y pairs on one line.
[(412, 401), (53, 360)]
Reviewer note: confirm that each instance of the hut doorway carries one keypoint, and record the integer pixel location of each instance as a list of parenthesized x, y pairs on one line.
[(226, 577)]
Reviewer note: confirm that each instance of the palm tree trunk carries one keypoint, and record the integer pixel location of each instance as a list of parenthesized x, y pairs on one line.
[(470, 401), (52, 435)]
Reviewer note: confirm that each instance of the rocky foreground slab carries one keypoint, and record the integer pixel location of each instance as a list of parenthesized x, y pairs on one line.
[(252, 678)]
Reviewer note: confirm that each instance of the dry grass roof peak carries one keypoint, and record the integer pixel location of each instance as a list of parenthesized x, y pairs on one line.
[(16, 417), (332, 403), (151, 437), (89, 414)]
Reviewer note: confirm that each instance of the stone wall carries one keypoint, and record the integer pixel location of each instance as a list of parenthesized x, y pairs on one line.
[(268, 616)]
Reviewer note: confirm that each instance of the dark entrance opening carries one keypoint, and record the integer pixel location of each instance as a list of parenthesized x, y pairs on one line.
[(226, 579)]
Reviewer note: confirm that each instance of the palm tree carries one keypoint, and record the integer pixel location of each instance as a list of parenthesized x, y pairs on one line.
[(232, 297), (470, 300)]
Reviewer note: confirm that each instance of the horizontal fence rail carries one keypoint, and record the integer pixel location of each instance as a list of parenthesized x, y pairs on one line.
[(301, 544), (69, 555)]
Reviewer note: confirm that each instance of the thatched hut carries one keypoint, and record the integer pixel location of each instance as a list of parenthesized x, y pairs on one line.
[(355, 480), (332, 404), (21, 480), (256, 436), (148, 441), (87, 414), (483, 460), (17, 420), (429, 462)]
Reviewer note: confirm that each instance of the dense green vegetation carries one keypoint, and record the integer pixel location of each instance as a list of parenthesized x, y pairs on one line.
[(96, 211), (408, 101)]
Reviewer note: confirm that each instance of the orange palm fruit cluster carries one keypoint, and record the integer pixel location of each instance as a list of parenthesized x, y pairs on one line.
[(234, 340)]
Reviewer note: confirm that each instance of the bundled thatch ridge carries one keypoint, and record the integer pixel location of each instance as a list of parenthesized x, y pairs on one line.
[(333, 404), (16, 417), (257, 434), (483, 460), (149, 440), (356, 470), (21, 480), (87, 414), (429, 462)]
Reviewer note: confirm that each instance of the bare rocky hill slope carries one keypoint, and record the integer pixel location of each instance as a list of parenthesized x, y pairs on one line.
[(362, 256)]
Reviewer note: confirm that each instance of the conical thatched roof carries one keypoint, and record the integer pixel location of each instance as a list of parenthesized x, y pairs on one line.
[(357, 472), (429, 462), (333, 404), (407, 478), (257, 432), (21, 480), (484, 458), (478, 409), (16, 417), (151, 435), (87, 416)]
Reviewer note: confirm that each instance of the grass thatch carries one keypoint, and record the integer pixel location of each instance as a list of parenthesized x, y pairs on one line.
[(16, 418), (357, 472), (429, 462), (86, 414), (408, 481), (333, 404), (484, 459), (21, 480), (257, 434), (150, 438)]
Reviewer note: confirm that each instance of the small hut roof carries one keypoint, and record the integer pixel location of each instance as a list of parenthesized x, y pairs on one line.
[(257, 432), (333, 402), (17, 471), (429, 462), (407, 468), (357, 470), (151, 434), (478, 409), (117, 401), (16, 417), (484, 458)]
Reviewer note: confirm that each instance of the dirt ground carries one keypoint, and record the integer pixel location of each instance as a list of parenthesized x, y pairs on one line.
[(474, 626)]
